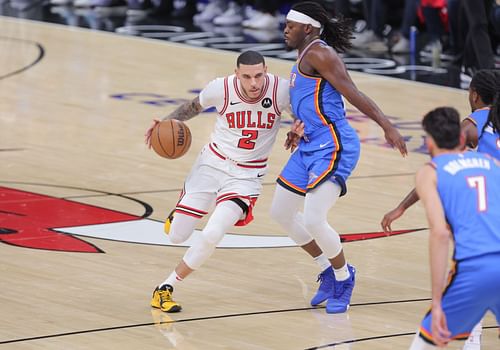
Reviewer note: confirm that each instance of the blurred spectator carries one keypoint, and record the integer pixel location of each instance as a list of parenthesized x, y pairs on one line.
[(264, 15), (213, 9), (477, 46), (232, 16), (432, 11), (453, 26), (187, 10), (402, 43), (495, 20), (376, 16)]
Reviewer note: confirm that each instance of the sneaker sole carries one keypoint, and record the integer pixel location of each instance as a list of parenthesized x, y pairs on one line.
[(338, 312), (175, 308), (319, 303)]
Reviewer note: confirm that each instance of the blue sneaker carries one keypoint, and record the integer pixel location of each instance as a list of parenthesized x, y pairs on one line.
[(326, 281), (342, 296)]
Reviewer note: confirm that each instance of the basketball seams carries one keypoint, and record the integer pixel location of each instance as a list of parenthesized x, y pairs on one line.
[(160, 141), (187, 136), (173, 139)]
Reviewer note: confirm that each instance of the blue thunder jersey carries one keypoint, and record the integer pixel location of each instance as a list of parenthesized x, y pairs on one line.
[(469, 187), (314, 100), (488, 140)]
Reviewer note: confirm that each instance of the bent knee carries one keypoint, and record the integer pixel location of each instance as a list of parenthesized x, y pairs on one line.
[(313, 226), (212, 237), (181, 228), (178, 237), (179, 234)]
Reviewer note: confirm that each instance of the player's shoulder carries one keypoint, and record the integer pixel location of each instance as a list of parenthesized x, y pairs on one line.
[(492, 159), (281, 82), (216, 82), (320, 49), (479, 115), (283, 89), (426, 174)]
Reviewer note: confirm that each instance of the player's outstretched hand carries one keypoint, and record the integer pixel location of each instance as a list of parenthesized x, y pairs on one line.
[(390, 217), (394, 138), (147, 135), (294, 135)]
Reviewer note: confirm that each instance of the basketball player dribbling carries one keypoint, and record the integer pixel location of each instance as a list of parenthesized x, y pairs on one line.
[(229, 170)]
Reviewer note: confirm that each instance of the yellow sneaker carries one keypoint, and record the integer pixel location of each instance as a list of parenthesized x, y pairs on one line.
[(168, 222), (162, 299)]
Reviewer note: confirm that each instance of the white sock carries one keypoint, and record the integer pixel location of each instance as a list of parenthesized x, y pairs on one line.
[(342, 274), (474, 340), (322, 262), (420, 344), (172, 279)]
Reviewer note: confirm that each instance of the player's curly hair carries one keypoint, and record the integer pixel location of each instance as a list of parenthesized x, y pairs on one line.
[(337, 31), (486, 83)]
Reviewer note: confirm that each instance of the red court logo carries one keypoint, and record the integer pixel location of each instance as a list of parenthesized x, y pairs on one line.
[(39, 221)]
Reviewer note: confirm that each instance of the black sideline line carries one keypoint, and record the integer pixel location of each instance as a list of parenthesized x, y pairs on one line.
[(96, 330), (374, 338)]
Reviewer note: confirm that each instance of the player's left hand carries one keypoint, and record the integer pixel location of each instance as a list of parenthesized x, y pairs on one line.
[(389, 217), (394, 138), (294, 135), (440, 332), (147, 135)]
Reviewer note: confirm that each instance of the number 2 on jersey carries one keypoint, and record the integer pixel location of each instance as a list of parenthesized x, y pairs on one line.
[(479, 183), (248, 141)]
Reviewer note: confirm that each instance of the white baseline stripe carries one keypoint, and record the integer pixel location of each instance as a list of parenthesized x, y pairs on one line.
[(151, 232)]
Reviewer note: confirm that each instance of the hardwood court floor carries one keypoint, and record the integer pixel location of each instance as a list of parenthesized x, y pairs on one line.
[(74, 107)]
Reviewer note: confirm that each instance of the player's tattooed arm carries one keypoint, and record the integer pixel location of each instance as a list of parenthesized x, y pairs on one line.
[(186, 111)]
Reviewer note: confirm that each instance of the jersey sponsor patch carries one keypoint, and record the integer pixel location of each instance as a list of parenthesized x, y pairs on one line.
[(267, 102)]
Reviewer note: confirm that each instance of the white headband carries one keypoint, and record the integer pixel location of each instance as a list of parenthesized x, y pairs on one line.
[(299, 17)]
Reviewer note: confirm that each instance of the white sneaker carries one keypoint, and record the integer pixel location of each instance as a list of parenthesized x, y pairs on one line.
[(230, 17), (431, 49), (402, 46), (250, 14), (212, 10), (264, 21), (377, 45), (363, 38)]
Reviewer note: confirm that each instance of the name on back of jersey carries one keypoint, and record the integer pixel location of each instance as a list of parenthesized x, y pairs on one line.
[(457, 165)]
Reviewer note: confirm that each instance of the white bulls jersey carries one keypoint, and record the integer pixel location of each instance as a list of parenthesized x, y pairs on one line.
[(245, 130)]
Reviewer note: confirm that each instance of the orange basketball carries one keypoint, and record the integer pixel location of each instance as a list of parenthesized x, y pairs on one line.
[(171, 138)]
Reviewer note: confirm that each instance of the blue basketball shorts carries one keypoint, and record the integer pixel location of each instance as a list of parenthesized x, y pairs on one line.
[(473, 289), (331, 153)]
